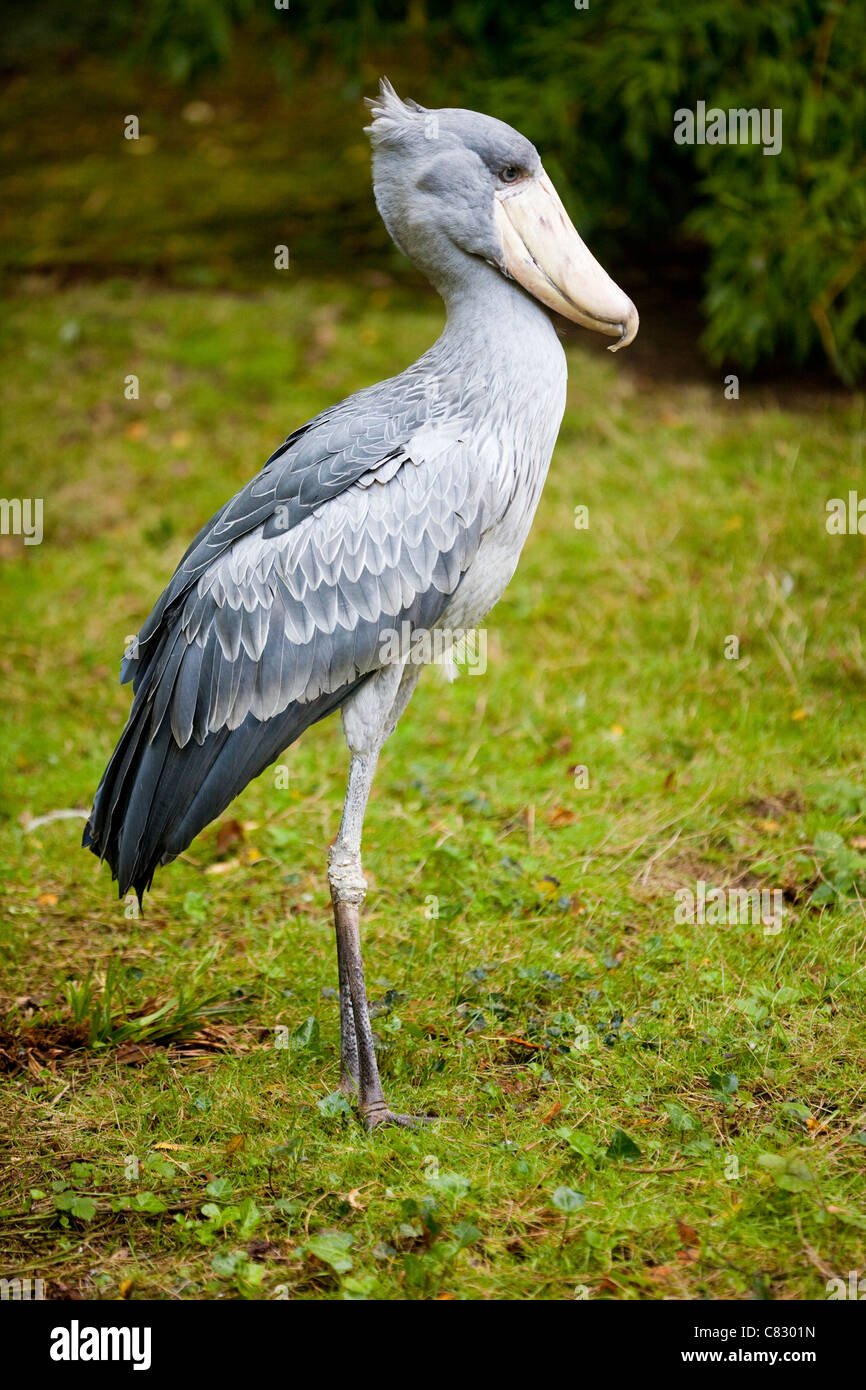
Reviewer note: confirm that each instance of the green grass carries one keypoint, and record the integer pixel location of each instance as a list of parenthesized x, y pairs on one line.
[(534, 987)]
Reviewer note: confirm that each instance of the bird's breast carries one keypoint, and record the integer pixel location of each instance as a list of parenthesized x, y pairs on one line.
[(513, 445)]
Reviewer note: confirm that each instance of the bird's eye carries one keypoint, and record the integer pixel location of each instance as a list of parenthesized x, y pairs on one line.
[(510, 174)]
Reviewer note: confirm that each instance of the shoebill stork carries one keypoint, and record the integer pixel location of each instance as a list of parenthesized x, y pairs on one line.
[(409, 502)]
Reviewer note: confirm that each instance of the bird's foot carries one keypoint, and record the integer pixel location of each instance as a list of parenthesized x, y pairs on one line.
[(376, 1116)]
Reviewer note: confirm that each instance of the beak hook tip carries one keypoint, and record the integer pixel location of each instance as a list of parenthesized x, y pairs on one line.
[(628, 331)]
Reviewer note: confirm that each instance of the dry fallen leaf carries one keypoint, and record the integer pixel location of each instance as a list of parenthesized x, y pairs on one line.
[(235, 1144), (231, 832), (561, 816), (354, 1199), (129, 1054), (552, 1112), (524, 1042), (27, 1005), (546, 886), (47, 899)]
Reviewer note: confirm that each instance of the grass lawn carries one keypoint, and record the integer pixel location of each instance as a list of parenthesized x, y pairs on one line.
[(632, 1106)]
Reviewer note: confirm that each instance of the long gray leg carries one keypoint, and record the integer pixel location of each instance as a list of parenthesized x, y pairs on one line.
[(348, 888), (368, 722)]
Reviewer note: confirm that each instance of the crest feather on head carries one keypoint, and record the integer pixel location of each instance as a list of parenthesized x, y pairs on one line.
[(394, 120)]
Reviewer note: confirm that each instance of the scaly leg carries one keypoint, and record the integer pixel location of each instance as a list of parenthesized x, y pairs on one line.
[(348, 888), (349, 1074)]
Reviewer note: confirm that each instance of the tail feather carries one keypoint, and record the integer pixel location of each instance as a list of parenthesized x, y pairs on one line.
[(155, 796)]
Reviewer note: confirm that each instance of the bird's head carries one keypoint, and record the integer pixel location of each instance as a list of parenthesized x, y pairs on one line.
[(452, 183)]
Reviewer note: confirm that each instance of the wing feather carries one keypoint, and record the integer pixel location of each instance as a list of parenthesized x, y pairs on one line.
[(299, 614), (366, 518)]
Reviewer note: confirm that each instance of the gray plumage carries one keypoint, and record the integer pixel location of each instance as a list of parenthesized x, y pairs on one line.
[(409, 501), (277, 611)]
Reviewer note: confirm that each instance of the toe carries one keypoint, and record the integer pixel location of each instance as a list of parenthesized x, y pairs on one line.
[(375, 1119)]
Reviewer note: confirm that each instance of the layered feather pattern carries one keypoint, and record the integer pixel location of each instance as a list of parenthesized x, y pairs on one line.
[(365, 518)]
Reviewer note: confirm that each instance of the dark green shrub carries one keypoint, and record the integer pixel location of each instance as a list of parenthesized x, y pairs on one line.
[(782, 237)]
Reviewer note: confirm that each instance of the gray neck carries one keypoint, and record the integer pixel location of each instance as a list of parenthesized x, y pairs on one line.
[(490, 317)]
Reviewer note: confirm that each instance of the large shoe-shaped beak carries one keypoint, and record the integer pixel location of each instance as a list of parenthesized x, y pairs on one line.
[(542, 250)]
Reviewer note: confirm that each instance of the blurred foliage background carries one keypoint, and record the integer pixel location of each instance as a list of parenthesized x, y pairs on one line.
[(251, 135)]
